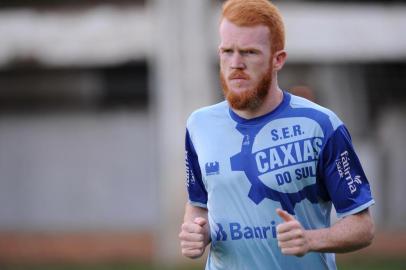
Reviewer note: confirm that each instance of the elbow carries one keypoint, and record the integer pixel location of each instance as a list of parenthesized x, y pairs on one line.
[(370, 234)]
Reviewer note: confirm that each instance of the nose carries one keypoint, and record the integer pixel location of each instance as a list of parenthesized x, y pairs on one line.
[(237, 61)]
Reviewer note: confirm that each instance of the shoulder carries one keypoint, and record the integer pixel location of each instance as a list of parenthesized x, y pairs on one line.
[(324, 116), (208, 114)]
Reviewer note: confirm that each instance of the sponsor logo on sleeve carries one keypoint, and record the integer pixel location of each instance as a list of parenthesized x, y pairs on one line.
[(190, 178), (344, 171)]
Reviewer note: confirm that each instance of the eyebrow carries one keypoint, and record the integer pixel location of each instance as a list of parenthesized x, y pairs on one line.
[(239, 49)]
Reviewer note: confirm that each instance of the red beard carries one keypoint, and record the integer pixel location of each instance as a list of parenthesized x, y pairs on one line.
[(250, 99)]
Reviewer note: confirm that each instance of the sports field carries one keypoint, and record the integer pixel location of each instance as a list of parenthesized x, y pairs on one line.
[(367, 264)]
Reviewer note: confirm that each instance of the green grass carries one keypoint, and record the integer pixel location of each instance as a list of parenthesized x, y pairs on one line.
[(117, 266), (372, 264), (364, 264)]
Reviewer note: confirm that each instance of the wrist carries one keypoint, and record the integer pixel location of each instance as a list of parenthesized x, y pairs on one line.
[(316, 239), (207, 236)]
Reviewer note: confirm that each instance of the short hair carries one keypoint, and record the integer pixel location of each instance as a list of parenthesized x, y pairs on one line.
[(257, 12)]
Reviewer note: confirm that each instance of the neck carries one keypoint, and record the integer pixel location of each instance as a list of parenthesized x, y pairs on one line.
[(272, 100)]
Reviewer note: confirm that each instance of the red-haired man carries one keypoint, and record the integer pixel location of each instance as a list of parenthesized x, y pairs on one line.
[(264, 167)]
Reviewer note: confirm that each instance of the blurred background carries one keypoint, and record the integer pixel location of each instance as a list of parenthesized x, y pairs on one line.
[(94, 96)]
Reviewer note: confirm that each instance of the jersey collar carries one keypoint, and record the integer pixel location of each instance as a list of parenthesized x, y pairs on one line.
[(262, 118)]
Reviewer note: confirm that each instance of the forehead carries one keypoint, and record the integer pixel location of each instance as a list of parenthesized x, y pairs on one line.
[(243, 36)]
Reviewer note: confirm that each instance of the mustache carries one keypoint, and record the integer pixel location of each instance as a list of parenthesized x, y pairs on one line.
[(238, 74)]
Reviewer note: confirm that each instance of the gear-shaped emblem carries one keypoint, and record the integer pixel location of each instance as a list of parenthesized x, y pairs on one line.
[(245, 161)]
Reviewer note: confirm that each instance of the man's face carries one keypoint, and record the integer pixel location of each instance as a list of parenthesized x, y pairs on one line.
[(245, 64)]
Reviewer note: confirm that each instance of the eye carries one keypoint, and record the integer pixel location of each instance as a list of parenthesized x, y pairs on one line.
[(226, 51), (249, 52)]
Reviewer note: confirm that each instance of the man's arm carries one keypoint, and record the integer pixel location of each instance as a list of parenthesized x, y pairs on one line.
[(195, 231), (348, 234)]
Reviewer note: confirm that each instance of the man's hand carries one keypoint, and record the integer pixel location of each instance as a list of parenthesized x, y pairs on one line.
[(194, 237), (291, 235)]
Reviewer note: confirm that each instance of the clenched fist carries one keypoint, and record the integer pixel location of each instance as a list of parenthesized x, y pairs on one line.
[(194, 237)]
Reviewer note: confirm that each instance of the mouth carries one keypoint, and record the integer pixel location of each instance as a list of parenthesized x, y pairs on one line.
[(238, 78), (238, 82)]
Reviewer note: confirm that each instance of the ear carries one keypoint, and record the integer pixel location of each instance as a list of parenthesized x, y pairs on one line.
[(279, 59)]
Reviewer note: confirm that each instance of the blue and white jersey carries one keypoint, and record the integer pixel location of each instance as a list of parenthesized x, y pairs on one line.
[(299, 157)]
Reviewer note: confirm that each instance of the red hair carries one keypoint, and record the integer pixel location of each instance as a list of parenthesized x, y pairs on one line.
[(257, 12)]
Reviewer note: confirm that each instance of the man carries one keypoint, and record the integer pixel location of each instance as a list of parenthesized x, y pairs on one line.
[(265, 167)]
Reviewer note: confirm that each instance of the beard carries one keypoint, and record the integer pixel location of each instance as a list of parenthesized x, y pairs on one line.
[(250, 99)]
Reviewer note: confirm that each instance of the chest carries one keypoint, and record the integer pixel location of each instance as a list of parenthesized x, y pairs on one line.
[(280, 155)]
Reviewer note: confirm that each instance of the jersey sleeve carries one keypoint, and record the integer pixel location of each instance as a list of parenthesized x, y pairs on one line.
[(196, 189), (343, 176)]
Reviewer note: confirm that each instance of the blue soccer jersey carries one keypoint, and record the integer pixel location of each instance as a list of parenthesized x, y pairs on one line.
[(299, 157)]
